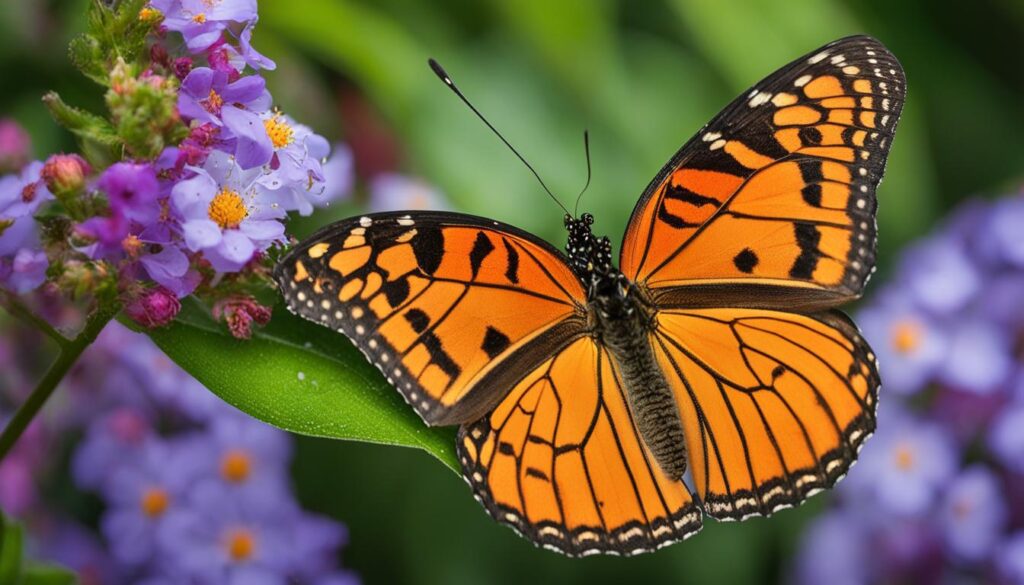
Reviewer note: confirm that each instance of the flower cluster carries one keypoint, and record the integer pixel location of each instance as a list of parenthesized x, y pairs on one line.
[(192, 490), (938, 496), (212, 170)]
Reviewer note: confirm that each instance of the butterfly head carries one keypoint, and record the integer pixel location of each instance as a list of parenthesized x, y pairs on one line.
[(590, 257)]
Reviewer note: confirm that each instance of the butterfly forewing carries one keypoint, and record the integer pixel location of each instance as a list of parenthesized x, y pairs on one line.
[(450, 307), (777, 191)]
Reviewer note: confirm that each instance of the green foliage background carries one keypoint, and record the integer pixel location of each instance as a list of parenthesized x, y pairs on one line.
[(642, 77)]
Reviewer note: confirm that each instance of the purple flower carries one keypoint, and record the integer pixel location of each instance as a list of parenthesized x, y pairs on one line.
[(132, 191), (1005, 228), (978, 358), (1010, 558), (142, 492), (905, 465), (834, 550), (72, 546), (339, 175), (910, 344), (231, 537), (210, 96), (973, 514), (22, 263), (245, 454), (940, 275), (18, 490), (201, 22), (227, 212), (296, 162), (15, 146), (1006, 438), (111, 440), (394, 192)]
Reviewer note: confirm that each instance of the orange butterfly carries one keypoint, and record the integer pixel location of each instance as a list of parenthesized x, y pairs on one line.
[(586, 391)]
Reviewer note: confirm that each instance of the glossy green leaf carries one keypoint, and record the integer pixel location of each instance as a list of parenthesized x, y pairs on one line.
[(302, 378)]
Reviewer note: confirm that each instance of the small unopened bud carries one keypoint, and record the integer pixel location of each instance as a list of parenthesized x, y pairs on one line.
[(156, 307), (181, 67), (65, 174), (15, 146), (240, 312)]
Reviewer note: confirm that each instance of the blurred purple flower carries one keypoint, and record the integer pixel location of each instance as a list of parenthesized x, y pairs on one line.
[(228, 537), (227, 212), (905, 465), (15, 146), (1010, 558), (111, 439), (245, 454), (940, 275), (1006, 227), (394, 192), (339, 175), (910, 345), (74, 547), (1006, 437), (143, 491), (834, 550), (201, 22), (973, 514), (978, 358)]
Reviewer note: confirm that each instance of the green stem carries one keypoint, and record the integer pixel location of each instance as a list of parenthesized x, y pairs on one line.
[(69, 354), (18, 309)]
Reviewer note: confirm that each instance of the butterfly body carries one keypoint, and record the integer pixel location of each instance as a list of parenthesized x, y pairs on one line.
[(622, 321), (584, 388)]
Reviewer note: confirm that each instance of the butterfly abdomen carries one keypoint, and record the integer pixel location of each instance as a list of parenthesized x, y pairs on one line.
[(650, 397)]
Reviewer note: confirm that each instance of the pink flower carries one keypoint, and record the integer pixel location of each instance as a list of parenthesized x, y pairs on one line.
[(157, 307)]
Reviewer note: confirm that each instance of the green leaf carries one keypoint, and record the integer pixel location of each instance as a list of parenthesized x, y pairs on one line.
[(39, 574), (11, 544), (302, 378)]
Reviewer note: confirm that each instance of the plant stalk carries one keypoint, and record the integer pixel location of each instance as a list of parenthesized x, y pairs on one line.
[(69, 354)]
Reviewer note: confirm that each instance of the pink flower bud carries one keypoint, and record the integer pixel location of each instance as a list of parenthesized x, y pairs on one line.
[(15, 146), (65, 174), (240, 312), (156, 307), (181, 67)]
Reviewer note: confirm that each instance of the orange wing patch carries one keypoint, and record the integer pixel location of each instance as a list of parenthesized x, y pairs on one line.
[(447, 306), (779, 189), (775, 405), (560, 461)]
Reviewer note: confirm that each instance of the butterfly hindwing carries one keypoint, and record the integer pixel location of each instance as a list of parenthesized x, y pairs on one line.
[(775, 405), (559, 460), (772, 203), (452, 308)]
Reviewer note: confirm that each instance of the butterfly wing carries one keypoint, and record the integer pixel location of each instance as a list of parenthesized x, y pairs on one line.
[(450, 307), (775, 405), (772, 204), (560, 461)]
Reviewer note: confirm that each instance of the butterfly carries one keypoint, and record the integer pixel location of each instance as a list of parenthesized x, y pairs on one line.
[(590, 395)]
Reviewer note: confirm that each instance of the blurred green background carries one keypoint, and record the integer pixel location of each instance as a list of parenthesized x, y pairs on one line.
[(642, 77)]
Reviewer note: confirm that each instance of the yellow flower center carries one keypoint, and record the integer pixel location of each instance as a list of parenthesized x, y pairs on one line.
[(279, 131), (235, 466), (154, 502), (199, 18), (904, 458), (241, 545), (131, 245), (150, 14), (227, 209), (214, 102), (906, 336)]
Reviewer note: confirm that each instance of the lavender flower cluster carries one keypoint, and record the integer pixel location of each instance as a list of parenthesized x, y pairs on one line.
[(938, 496), (213, 170), (192, 491)]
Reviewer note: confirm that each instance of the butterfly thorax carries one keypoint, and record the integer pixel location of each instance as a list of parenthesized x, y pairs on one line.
[(622, 323)]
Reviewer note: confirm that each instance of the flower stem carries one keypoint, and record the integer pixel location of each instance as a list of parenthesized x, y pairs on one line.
[(16, 308), (70, 351)]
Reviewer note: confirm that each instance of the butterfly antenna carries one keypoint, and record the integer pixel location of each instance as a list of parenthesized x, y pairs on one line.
[(586, 149), (443, 75)]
